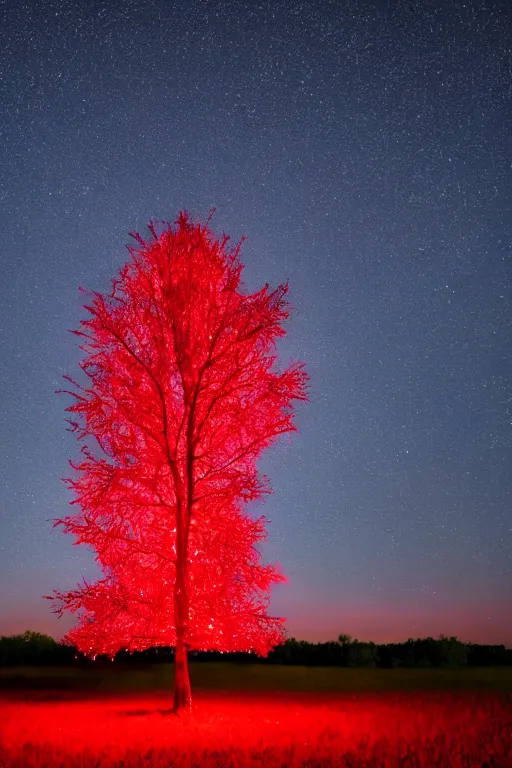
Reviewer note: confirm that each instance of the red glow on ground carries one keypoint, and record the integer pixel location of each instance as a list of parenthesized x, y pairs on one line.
[(433, 729)]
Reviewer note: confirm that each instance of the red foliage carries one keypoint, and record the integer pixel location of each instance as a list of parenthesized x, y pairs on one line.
[(182, 399)]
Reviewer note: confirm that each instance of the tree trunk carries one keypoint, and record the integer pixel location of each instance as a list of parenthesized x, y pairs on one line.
[(182, 693)]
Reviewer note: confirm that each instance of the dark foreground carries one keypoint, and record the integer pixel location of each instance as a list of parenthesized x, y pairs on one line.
[(257, 716)]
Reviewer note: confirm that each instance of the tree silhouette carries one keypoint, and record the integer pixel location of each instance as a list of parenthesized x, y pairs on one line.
[(182, 399)]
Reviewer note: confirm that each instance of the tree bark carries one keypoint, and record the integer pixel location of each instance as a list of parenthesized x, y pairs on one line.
[(182, 692), (184, 489)]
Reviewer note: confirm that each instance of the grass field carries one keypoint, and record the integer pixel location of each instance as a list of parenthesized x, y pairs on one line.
[(251, 715)]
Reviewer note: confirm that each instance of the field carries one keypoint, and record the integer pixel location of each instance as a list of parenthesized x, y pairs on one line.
[(251, 715)]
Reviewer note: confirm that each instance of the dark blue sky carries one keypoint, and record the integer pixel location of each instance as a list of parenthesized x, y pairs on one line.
[(364, 150)]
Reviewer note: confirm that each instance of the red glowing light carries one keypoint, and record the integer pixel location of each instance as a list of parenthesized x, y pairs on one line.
[(182, 399), (271, 729)]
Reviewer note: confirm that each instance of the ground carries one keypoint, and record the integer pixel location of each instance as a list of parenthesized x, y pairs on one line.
[(250, 715)]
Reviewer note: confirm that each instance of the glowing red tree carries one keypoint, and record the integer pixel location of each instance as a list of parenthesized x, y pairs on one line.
[(183, 398)]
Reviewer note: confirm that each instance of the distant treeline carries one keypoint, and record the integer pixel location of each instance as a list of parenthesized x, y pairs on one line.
[(33, 648)]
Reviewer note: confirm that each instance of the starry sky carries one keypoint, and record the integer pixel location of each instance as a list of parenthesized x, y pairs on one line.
[(363, 148)]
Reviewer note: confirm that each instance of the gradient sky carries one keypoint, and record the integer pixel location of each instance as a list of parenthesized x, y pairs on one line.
[(364, 150)]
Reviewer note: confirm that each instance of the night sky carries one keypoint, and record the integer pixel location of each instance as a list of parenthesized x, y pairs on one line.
[(364, 150)]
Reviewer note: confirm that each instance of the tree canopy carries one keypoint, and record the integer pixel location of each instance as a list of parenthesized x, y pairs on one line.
[(183, 395)]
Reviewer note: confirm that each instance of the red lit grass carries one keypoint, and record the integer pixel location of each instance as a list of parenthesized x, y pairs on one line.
[(248, 729)]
